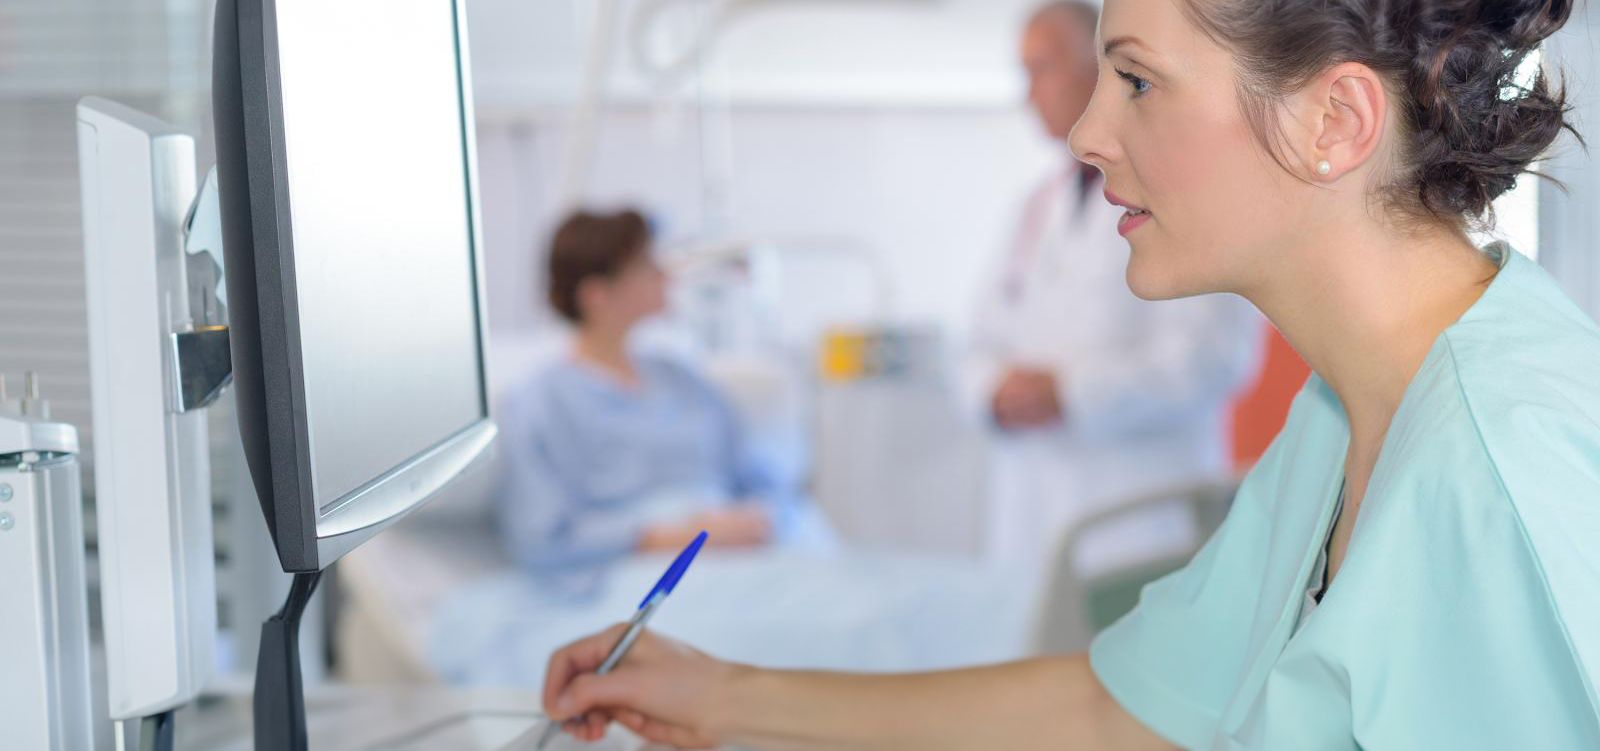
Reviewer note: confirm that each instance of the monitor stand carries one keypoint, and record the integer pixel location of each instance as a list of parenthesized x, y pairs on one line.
[(280, 705)]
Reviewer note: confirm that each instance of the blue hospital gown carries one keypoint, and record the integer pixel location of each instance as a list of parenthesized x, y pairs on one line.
[(1467, 614), (590, 463)]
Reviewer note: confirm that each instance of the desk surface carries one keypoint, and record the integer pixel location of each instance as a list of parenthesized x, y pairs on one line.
[(376, 718)]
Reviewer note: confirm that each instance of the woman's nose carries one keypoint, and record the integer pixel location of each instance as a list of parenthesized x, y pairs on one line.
[(1091, 139)]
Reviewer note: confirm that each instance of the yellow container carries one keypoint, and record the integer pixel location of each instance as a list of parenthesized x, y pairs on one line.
[(844, 354)]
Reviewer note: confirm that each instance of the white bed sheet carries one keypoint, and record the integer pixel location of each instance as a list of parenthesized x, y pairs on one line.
[(450, 601), (850, 611)]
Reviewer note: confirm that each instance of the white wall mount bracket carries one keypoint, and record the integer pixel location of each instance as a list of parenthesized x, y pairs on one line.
[(158, 347)]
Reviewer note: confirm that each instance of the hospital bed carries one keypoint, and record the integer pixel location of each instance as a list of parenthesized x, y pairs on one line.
[(1089, 587), (435, 600), (441, 605)]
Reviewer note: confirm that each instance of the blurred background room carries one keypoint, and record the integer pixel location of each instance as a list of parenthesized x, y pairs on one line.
[(832, 193)]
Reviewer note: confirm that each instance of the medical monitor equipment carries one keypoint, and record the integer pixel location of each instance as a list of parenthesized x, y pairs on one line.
[(345, 159), (349, 213), (44, 686)]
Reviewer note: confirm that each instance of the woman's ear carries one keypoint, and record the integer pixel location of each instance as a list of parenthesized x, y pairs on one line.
[(1343, 112)]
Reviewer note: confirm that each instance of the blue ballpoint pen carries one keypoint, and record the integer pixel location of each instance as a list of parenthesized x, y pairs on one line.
[(636, 625)]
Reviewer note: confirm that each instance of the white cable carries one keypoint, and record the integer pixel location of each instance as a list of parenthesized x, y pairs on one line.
[(584, 127), (670, 69)]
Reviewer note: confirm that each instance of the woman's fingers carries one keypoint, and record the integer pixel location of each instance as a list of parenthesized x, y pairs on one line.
[(589, 692), (660, 691), (630, 719), (590, 727), (596, 722), (577, 659), (656, 731)]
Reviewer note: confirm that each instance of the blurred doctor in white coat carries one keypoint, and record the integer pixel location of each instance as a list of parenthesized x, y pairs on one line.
[(1093, 395)]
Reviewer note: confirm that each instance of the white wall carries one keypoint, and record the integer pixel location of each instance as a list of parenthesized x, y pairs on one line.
[(1568, 222), (875, 51)]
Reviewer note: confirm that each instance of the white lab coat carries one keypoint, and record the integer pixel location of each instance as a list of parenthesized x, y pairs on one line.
[(1145, 386)]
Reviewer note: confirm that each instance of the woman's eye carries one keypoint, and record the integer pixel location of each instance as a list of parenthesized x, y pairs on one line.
[(1140, 86)]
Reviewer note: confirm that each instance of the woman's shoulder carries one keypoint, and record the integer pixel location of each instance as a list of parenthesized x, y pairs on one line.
[(1525, 335), (1504, 433), (544, 388), (1524, 368)]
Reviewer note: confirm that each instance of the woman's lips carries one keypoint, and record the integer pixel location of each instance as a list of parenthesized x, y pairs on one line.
[(1130, 222), (1132, 218)]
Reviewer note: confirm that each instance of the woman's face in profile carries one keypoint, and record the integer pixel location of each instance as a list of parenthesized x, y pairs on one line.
[(639, 289), (1166, 128)]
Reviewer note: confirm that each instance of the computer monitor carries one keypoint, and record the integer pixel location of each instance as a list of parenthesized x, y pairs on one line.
[(346, 170)]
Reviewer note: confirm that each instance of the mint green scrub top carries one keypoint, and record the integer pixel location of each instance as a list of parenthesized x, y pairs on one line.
[(1467, 612)]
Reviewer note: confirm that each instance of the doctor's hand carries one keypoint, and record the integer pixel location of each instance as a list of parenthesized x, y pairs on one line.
[(1026, 398), (664, 691)]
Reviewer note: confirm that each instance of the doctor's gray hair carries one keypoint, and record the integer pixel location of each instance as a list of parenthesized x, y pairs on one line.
[(1082, 11), (1471, 124)]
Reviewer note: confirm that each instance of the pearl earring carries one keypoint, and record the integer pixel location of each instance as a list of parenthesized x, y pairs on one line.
[(1323, 167)]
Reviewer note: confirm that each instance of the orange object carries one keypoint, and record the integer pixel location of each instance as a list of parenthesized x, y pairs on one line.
[(1260, 411)]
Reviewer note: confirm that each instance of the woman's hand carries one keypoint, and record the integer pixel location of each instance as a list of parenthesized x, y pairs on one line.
[(664, 691), (671, 694), (747, 525)]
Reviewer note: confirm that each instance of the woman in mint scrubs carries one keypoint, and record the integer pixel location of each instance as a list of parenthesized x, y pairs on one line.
[(1415, 563)]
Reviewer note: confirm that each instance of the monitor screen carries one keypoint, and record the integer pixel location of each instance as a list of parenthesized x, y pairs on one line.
[(377, 193), (349, 210)]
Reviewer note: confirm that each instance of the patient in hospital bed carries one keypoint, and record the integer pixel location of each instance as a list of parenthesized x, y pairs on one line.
[(611, 458), (608, 450)]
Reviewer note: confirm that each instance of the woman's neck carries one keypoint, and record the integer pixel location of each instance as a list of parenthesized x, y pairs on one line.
[(606, 347), (1364, 309)]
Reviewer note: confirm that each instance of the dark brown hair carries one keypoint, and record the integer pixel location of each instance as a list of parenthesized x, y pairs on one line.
[(588, 246), (1470, 129)]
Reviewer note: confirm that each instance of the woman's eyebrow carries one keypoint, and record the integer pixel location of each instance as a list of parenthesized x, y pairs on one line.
[(1117, 43), (1113, 44)]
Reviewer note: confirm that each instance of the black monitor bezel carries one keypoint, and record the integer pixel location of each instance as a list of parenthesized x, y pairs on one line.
[(269, 383)]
